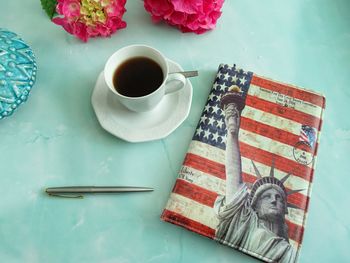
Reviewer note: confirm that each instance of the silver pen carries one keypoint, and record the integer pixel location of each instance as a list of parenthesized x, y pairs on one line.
[(77, 191)]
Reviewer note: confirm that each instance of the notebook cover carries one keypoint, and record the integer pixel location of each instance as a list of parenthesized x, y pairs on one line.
[(247, 175)]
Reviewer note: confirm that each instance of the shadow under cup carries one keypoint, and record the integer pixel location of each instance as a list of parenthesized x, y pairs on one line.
[(136, 75)]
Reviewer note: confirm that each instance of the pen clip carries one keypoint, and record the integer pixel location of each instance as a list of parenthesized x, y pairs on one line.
[(66, 195)]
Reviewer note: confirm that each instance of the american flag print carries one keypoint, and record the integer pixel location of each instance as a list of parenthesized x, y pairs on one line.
[(308, 134), (271, 125)]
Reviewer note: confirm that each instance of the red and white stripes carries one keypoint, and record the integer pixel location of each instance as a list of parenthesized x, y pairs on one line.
[(270, 129)]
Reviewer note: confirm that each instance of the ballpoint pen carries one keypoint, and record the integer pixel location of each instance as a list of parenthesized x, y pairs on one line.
[(77, 191)]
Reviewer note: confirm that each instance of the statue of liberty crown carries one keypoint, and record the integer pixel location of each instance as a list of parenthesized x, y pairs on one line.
[(264, 183)]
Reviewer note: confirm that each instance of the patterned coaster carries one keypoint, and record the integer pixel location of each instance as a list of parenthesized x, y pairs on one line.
[(17, 72)]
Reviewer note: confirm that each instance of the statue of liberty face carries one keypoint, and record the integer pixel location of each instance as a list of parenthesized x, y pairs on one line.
[(271, 205)]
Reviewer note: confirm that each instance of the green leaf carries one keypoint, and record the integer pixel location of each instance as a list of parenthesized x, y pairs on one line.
[(49, 6)]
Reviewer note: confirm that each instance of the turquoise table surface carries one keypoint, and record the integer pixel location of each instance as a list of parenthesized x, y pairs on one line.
[(55, 139)]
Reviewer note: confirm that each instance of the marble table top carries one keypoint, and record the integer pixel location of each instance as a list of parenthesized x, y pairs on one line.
[(55, 138)]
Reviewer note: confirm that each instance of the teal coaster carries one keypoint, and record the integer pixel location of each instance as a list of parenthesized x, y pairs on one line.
[(17, 72)]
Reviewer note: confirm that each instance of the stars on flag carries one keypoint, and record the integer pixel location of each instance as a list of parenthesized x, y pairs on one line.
[(207, 108), (211, 121), (211, 128), (212, 97), (223, 88), (243, 80), (226, 75), (206, 134), (199, 131), (234, 79), (216, 109), (216, 86), (216, 136), (203, 119), (219, 124)]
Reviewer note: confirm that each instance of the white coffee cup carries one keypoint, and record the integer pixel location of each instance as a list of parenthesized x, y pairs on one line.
[(171, 81)]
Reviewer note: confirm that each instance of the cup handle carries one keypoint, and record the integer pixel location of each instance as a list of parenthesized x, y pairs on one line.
[(174, 82)]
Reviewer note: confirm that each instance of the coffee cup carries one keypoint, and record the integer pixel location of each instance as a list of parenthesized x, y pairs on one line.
[(138, 76)]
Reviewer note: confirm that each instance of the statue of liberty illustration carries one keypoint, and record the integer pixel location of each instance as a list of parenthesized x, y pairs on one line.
[(251, 218)]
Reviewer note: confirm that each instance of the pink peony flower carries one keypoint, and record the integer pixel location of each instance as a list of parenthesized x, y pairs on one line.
[(196, 16), (90, 18)]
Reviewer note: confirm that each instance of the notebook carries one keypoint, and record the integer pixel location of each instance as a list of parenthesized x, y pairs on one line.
[(247, 175)]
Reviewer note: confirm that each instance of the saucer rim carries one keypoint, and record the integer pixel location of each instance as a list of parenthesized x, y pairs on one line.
[(179, 116)]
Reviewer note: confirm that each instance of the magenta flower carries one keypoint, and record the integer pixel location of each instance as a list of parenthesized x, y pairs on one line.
[(90, 18), (196, 16)]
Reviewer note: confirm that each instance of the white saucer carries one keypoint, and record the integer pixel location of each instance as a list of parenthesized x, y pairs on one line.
[(146, 126)]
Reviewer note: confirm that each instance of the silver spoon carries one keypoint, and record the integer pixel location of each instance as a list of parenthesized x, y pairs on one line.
[(189, 74)]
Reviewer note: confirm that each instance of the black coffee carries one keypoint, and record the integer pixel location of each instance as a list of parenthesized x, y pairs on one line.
[(138, 76)]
